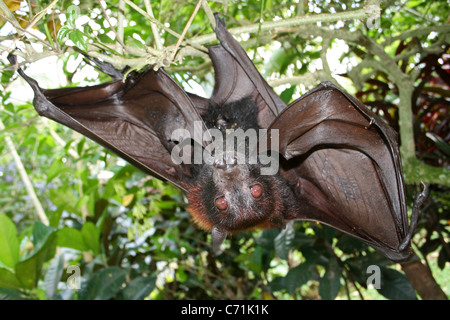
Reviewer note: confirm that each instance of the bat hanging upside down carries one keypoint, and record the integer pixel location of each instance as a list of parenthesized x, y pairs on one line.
[(244, 158)]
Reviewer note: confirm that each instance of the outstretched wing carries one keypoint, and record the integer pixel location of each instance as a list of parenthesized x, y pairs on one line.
[(134, 119), (236, 77), (344, 163)]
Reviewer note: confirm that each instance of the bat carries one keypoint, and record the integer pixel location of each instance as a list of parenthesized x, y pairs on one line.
[(243, 157)]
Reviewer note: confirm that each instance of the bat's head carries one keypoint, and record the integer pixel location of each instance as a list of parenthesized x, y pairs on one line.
[(230, 196)]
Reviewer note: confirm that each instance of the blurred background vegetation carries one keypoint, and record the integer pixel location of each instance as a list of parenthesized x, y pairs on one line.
[(76, 222)]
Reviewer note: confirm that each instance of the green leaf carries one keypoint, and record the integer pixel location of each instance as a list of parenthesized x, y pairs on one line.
[(255, 260), (56, 169), (72, 14), (331, 281), (77, 38), (64, 199), (62, 33), (303, 240), (268, 4), (325, 232), (284, 241), (440, 143), (395, 285), (139, 288), (294, 279), (53, 276), (71, 238), (414, 3), (100, 207), (104, 284), (80, 145), (359, 265), (28, 271), (350, 244), (267, 238), (91, 237), (278, 62), (6, 76), (287, 94), (298, 276), (8, 279), (12, 294), (9, 243), (41, 234)]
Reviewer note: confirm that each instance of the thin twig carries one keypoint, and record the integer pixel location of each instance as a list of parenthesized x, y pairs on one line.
[(118, 36), (186, 27), (154, 27), (300, 9), (323, 56), (120, 25), (151, 19), (209, 14)]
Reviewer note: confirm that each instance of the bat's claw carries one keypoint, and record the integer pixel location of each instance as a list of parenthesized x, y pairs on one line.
[(218, 237), (418, 204)]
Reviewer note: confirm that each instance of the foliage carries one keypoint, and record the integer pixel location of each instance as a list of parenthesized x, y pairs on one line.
[(115, 233)]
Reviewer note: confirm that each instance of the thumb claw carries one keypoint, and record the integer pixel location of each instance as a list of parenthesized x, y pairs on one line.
[(218, 237)]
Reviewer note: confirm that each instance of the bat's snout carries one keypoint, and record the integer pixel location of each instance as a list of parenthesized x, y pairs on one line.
[(225, 161)]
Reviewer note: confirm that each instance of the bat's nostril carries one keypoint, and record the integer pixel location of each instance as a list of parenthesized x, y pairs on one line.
[(230, 159), (219, 163), (225, 161)]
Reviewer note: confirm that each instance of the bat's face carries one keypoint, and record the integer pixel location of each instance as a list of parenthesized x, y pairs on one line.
[(233, 197)]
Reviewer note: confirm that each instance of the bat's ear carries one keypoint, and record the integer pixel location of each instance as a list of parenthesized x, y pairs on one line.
[(148, 120), (236, 77)]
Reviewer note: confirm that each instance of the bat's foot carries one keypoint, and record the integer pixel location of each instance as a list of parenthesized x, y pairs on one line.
[(418, 204)]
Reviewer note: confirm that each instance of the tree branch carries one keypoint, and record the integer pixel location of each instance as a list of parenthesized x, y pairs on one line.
[(308, 80), (269, 26), (417, 33)]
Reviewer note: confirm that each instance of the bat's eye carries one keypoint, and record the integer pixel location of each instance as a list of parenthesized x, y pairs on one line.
[(256, 190), (221, 204)]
